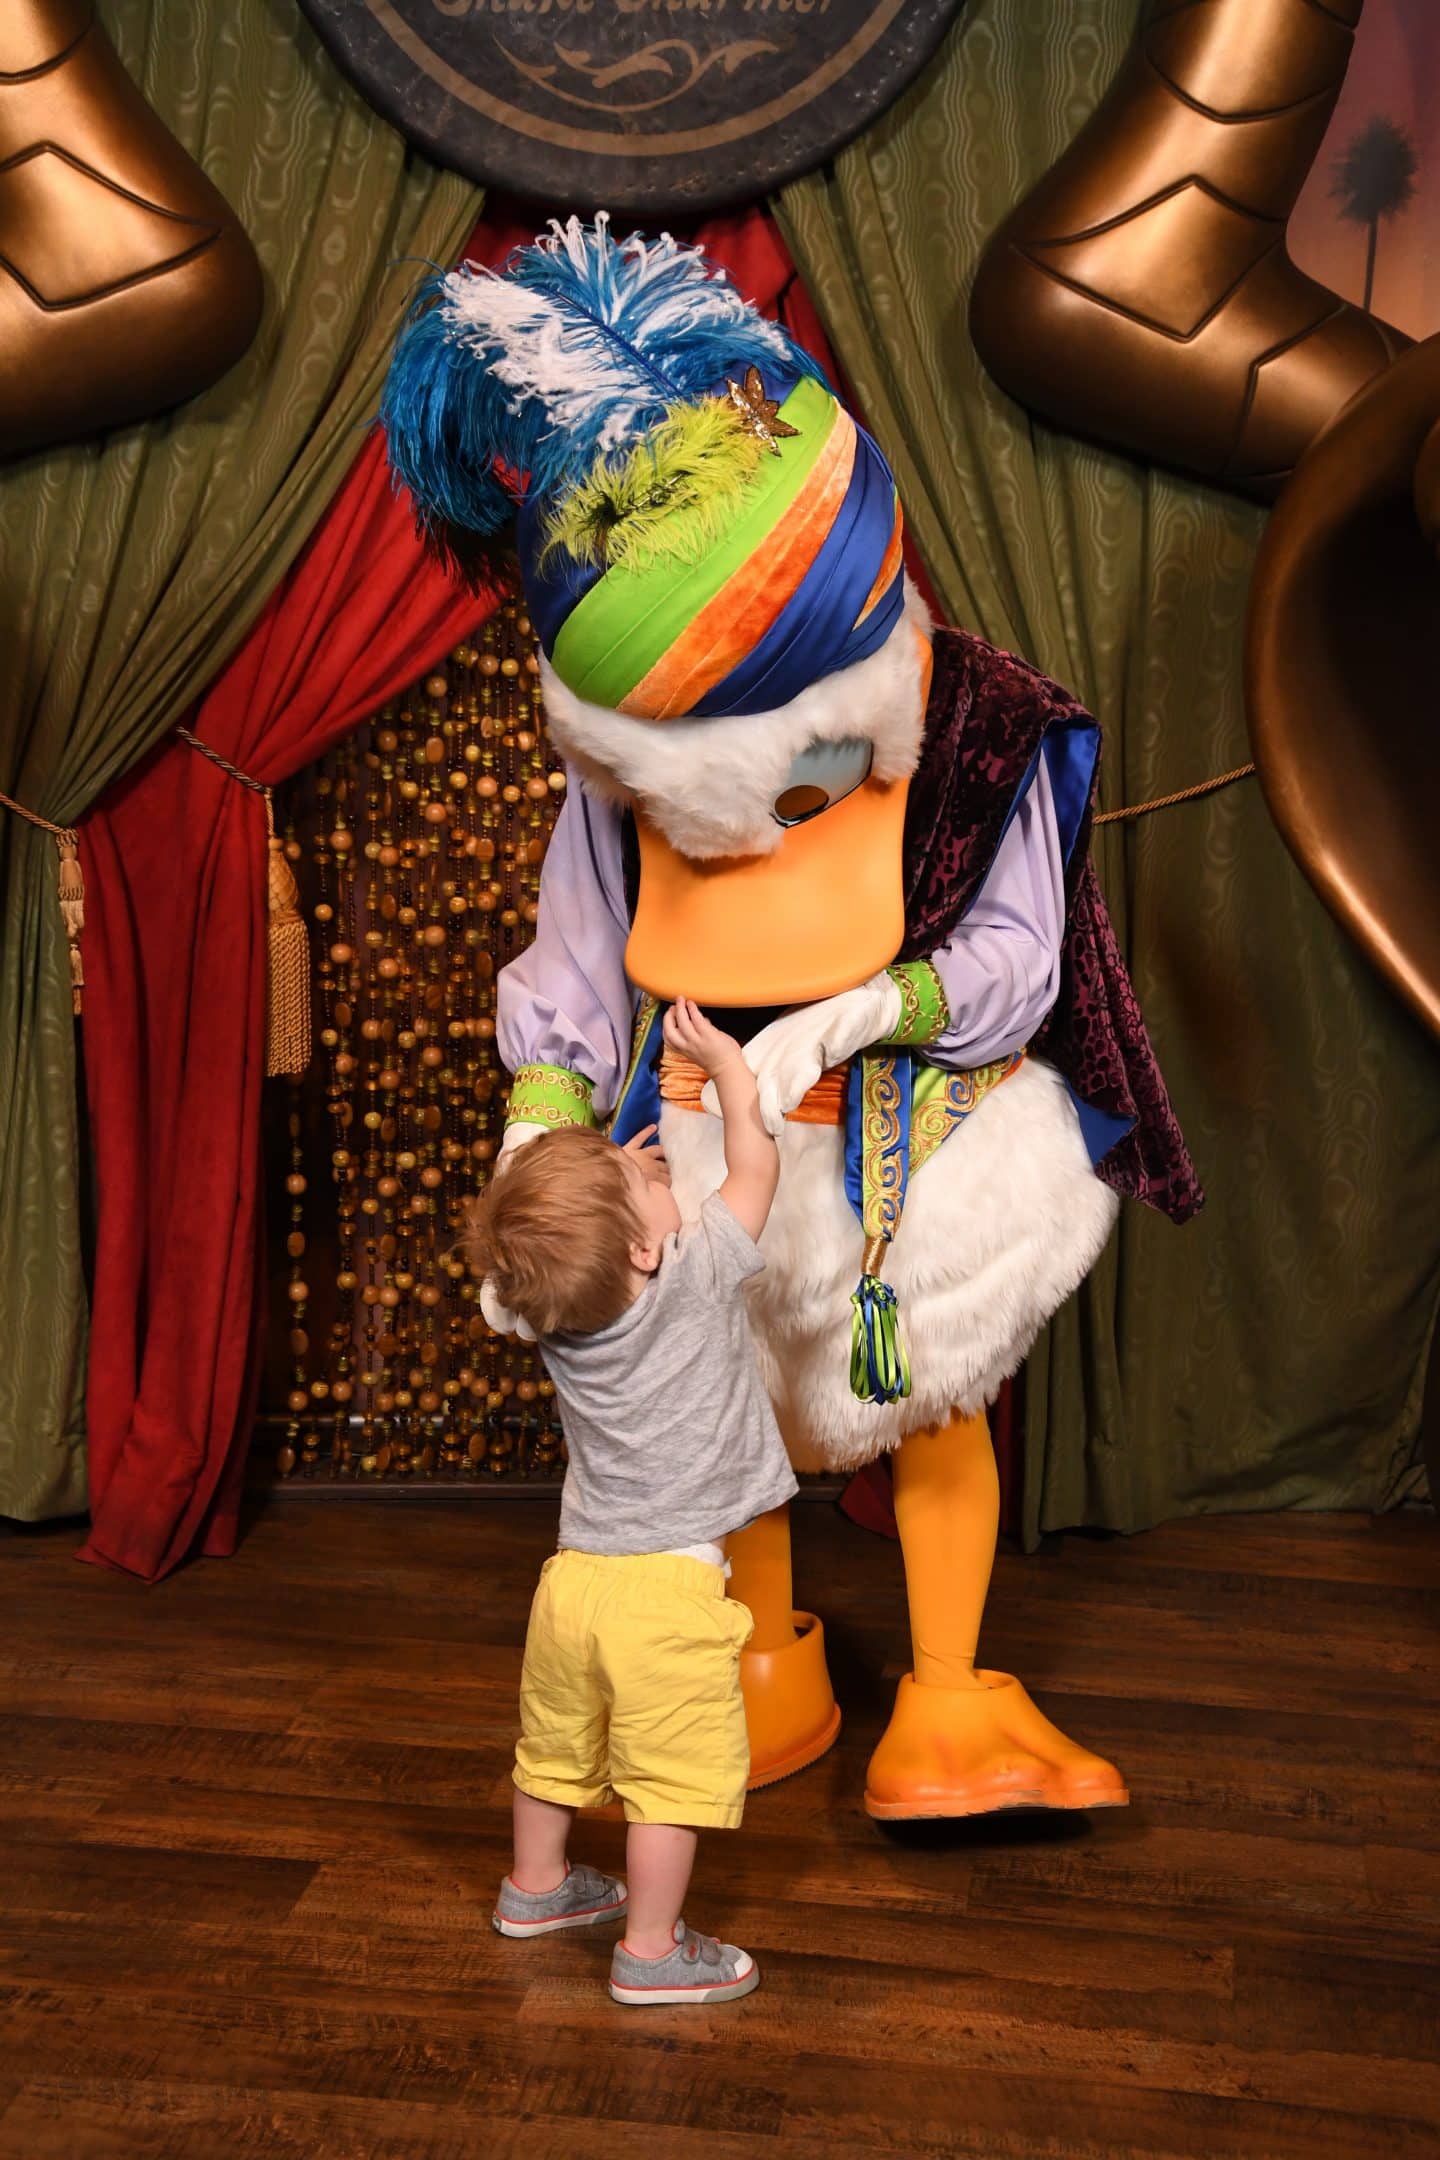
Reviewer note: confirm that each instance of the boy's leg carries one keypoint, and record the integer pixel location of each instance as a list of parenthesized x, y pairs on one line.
[(559, 1766), (542, 1831), (678, 1758), (659, 1959), (658, 1860)]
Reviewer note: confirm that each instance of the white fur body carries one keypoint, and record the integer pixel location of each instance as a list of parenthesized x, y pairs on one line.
[(709, 784), (1000, 1227)]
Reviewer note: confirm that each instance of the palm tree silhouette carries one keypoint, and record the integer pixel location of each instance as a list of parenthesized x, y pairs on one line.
[(1374, 179)]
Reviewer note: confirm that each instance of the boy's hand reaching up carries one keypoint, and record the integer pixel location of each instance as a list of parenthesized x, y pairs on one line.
[(691, 1035)]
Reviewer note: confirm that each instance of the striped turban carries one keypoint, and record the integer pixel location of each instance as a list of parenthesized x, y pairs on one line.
[(702, 528)]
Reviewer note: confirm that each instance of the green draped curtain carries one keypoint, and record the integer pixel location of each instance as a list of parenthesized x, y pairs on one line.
[(1272, 1353), (134, 565)]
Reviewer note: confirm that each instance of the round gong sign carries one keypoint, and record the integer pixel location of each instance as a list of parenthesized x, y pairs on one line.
[(636, 105)]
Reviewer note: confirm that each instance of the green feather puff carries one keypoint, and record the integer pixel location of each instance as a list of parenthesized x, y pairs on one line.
[(669, 500)]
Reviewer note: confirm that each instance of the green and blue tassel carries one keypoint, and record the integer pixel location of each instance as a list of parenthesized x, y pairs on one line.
[(879, 1366)]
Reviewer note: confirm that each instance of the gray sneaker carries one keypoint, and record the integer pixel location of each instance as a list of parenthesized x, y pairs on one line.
[(585, 1898), (698, 1970)]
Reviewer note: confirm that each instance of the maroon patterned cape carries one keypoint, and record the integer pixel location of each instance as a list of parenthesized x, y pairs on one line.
[(987, 717)]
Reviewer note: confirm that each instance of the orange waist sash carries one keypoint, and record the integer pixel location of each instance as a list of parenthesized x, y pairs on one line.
[(681, 1083)]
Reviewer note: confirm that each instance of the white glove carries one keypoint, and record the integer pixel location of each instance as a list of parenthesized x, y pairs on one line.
[(788, 1057), (498, 1315)]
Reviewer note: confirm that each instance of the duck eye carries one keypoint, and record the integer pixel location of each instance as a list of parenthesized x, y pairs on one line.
[(822, 775)]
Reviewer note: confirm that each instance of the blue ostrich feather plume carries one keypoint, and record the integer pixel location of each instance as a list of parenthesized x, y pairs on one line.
[(435, 425), (526, 377)]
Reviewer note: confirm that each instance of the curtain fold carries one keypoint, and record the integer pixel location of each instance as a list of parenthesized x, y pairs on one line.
[(134, 564), (1272, 1353)]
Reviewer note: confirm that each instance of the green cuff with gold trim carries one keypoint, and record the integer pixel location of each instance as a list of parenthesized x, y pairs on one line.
[(924, 1007), (550, 1095)]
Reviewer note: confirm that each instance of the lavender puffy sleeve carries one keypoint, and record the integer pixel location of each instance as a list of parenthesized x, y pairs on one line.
[(565, 1001), (1000, 967)]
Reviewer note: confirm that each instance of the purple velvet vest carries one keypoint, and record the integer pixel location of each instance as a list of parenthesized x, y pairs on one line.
[(986, 719)]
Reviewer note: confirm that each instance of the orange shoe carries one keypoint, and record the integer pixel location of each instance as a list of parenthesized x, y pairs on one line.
[(1078, 1779), (790, 1707), (974, 1751)]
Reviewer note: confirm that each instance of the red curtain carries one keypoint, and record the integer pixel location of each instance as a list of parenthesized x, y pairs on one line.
[(174, 862)]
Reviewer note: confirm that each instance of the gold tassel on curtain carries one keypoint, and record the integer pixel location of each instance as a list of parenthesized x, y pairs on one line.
[(287, 1016), (72, 889), (287, 1025), (72, 908)]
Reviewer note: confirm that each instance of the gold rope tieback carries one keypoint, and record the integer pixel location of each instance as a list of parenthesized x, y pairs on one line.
[(72, 889), (1184, 794), (287, 1016)]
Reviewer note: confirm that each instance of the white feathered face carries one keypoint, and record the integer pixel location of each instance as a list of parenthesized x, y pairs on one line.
[(727, 787)]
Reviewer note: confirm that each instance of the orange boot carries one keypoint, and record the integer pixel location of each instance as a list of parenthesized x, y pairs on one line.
[(962, 1741), (789, 1706)]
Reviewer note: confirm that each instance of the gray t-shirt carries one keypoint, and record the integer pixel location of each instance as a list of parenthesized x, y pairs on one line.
[(670, 1433)]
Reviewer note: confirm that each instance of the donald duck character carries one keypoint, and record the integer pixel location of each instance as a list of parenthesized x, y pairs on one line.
[(860, 842)]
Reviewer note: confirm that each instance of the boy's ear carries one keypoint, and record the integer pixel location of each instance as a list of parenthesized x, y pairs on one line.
[(645, 1258)]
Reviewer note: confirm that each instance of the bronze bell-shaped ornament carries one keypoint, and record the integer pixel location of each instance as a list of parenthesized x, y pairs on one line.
[(126, 281)]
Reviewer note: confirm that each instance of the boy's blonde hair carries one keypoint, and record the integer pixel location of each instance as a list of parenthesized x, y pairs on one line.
[(553, 1231)]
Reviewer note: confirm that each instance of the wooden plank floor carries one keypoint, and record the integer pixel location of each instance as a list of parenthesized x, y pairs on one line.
[(251, 1825)]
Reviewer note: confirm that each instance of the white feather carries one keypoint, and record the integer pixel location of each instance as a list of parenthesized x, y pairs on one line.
[(545, 351), (541, 356)]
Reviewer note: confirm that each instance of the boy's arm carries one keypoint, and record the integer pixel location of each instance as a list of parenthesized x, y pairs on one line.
[(751, 1156)]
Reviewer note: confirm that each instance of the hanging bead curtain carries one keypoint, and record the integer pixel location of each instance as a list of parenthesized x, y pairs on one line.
[(417, 847)]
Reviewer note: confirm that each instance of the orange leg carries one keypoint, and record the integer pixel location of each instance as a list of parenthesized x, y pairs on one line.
[(760, 1578), (789, 1705), (947, 1507), (962, 1740)]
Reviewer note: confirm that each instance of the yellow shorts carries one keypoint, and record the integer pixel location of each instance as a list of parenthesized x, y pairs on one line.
[(631, 1687)]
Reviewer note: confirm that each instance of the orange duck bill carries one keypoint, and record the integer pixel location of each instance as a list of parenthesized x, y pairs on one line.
[(822, 913)]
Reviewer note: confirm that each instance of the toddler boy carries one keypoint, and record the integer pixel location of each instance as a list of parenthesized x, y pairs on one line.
[(631, 1681)]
